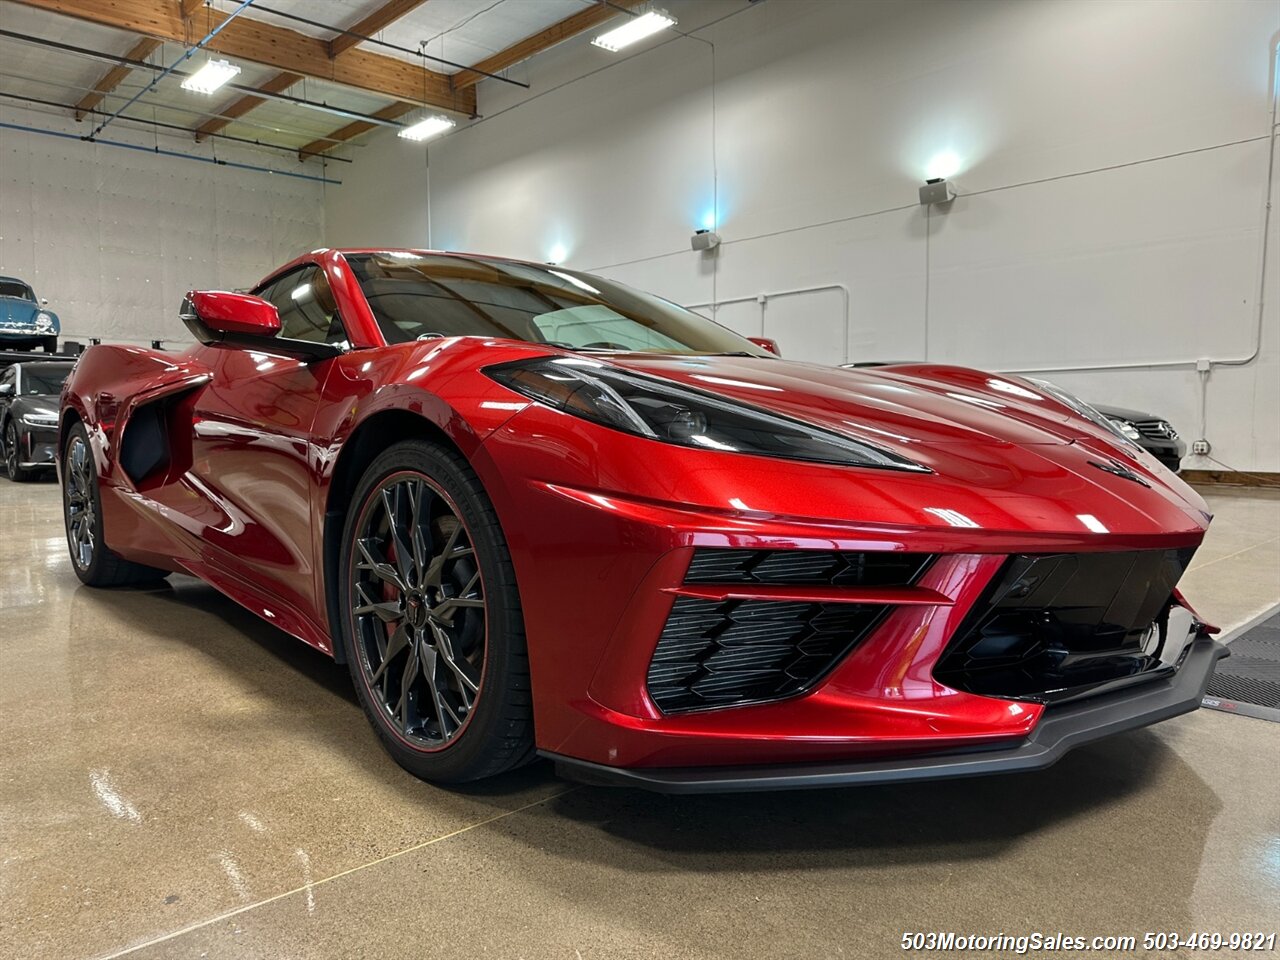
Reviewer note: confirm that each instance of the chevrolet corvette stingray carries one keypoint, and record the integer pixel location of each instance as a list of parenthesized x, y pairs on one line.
[(535, 511)]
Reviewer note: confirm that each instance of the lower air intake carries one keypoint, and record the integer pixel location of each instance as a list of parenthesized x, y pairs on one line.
[(1056, 627), (721, 652)]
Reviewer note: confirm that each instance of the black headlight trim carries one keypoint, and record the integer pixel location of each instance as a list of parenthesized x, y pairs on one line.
[(597, 375)]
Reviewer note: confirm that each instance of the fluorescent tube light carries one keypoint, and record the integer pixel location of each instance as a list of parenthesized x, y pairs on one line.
[(211, 76), (427, 128), (637, 28)]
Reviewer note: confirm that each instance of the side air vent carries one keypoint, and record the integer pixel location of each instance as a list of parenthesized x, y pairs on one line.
[(721, 652), (806, 567)]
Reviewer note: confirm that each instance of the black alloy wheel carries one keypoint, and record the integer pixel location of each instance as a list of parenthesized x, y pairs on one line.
[(12, 449), (94, 563), (433, 630)]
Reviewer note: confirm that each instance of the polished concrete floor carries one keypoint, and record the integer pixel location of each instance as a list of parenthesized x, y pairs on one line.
[(177, 779)]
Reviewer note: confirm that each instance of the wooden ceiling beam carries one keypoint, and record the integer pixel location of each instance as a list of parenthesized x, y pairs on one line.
[(383, 17), (351, 130), (558, 32), (187, 8), (263, 43), (111, 79), (587, 19), (277, 84)]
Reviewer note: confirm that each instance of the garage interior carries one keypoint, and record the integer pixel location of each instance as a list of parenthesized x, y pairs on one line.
[(1077, 191)]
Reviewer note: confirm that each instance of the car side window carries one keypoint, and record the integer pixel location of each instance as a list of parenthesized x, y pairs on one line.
[(307, 307)]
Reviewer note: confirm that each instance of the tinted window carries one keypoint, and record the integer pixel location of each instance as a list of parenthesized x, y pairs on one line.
[(43, 378), (307, 308), (20, 290), (420, 296)]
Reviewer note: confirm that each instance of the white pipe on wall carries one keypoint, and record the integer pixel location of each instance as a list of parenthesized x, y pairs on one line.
[(764, 298)]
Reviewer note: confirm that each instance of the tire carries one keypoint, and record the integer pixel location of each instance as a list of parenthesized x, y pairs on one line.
[(446, 604), (16, 473), (94, 563)]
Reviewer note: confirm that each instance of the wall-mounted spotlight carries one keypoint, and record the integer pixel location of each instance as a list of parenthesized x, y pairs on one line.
[(426, 128), (635, 29), (704, 240), (937, 190)]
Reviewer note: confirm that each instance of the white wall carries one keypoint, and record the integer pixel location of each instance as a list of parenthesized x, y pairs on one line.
[(115, 237), (1113, 176)]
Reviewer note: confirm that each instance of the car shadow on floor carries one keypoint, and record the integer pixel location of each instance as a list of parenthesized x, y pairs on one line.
[(872, 825)]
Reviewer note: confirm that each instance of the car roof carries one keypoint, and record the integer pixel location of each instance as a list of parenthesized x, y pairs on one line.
[(45, 364), (14, 280)]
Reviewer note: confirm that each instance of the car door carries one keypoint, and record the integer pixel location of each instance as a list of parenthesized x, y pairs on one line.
[(252, 450)]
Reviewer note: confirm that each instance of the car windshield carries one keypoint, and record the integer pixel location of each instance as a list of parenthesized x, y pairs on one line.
[(422, 296), (12, 288), (44, 379)]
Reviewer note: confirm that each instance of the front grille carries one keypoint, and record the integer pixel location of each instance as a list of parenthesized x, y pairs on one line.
[(718, 652), (1157, 429), (805, 567), (722, 652), (1053, 627)]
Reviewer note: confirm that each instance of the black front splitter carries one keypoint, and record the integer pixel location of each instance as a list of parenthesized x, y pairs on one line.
[(1062, 728)]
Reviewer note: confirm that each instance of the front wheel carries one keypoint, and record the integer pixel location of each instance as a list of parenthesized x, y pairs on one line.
[(95, 564), (12, 455), (431, 625)]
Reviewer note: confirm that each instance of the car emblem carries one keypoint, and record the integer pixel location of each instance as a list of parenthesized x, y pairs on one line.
[(1116, 468)]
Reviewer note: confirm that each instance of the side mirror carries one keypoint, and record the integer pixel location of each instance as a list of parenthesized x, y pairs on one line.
[(6, 389), (241, 320), (769, 344), (44, 301), (213, 316)]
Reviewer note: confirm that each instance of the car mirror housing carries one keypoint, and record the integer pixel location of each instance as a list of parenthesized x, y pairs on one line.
[(767, 343), (243, 320), (236, 314), (6, 389)]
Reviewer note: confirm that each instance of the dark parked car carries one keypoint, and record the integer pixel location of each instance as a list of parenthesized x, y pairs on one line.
[(24, 321), (1154, 434), (29, 415)]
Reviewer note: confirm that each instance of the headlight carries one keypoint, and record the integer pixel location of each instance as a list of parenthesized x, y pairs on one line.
[(44, 321), (1086, 411), (40, 419), (649, 407), (1127, 429)]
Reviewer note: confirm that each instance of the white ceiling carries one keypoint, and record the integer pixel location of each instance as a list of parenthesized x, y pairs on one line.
[(464, 31)]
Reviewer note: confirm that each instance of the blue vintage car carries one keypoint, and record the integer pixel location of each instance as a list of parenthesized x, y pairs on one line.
[(24, 321)]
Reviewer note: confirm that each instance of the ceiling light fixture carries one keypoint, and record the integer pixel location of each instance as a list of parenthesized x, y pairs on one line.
[(635, 29), (211, 76), (427, 128)]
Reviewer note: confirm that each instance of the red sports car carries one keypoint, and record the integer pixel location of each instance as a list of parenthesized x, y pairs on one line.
[(538, 512)]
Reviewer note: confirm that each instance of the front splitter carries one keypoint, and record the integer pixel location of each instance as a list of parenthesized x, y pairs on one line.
[(1061, 730)]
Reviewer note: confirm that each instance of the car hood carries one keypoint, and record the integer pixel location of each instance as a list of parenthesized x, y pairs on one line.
[(40, 406), (981, 431), (902, 407), (1124, 413), (14, 311)]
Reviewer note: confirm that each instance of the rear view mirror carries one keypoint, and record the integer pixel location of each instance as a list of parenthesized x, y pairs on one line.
[(212, 315)]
